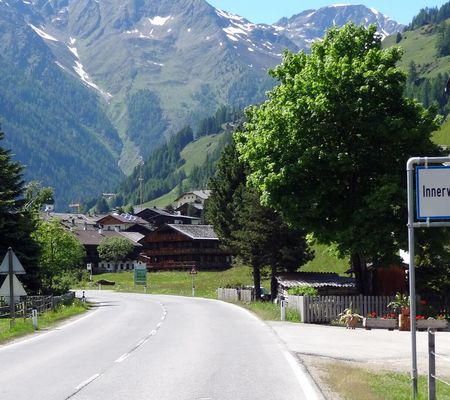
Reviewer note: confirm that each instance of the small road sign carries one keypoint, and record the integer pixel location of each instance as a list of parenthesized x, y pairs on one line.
[(17, 267)]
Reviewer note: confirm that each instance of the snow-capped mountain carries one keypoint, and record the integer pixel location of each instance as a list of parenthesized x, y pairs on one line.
[(151, 66), (310, 25)]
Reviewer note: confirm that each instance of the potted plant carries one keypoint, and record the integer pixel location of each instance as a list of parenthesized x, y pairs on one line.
[(386, 321), (439, 323), (349, 318), (400, 305)]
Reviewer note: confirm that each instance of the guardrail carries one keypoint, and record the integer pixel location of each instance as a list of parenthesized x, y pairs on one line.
[(432, 355), (27, 304)]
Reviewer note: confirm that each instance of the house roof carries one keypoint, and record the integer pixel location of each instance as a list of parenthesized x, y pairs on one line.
[(125, 218), (94, 237), (205, 232), (203, 194), (77, 219), (315, 279)]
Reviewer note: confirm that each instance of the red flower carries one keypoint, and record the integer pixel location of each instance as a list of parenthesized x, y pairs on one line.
[(418, 317), (373, 314)]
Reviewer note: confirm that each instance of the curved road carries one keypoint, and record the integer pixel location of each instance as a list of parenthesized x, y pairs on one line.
[(134, 346)]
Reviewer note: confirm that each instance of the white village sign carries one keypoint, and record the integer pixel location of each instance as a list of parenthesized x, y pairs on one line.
[(433, 192)]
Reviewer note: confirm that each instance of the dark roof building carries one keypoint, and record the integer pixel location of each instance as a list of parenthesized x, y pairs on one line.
[(157, 217)]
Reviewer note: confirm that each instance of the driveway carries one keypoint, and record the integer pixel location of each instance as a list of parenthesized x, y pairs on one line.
[(379, 348)]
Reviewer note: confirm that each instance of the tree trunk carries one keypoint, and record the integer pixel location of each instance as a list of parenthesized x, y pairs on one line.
[(257, 282), (362, 276), (273, 283)]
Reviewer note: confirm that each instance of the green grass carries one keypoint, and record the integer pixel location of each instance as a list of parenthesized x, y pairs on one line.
[(355, 383), (24, 326), (194, 154), (270, 312), (326, 260), (442, 136), (180, 282)]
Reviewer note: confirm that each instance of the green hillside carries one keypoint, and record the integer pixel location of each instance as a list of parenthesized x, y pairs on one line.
[(419, 46), (195, 154)]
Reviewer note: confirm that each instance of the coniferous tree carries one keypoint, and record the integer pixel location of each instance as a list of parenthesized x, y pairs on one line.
[(255, 233), (16, 221)]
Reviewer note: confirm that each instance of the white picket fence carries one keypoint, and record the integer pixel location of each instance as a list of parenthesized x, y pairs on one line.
[(324, 309), (226, 294)]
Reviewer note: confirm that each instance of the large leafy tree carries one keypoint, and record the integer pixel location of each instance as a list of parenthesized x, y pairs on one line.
[(61, 256), (114, 249), (328, 148), (256, 233), (16, 220)]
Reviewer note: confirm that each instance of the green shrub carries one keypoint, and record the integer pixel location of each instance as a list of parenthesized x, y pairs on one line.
[(303, 291)]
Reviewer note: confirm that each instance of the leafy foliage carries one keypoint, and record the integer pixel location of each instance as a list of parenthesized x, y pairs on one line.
[(303, 291), (114, 249), (328, 148), (61, 255)]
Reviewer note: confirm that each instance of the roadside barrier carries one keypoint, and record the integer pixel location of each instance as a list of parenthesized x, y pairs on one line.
[(432, 355), (25, 307)]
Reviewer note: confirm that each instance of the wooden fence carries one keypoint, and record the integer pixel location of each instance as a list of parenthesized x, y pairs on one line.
[(226, 294), (28, 303), (324, 309)]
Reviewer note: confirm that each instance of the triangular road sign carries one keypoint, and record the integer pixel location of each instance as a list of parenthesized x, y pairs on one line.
[(17, 286), (17, 266)]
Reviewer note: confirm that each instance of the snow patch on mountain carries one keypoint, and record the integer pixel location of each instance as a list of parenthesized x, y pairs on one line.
[(42, 34), (159, 20)]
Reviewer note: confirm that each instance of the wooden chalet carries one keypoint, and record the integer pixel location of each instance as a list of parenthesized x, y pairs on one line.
[(178, 246)]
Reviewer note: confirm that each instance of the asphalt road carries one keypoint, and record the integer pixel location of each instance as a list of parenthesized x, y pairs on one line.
[(154, 348)]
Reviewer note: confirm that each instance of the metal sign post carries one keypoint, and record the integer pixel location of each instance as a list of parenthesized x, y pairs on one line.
[(433, 203), (10, 266), (193, 273)]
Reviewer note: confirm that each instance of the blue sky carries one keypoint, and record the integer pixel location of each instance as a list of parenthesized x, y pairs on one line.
[(270, 11)]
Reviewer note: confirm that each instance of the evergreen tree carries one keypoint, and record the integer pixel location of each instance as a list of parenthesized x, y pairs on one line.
[(257, 234), (16, 221)]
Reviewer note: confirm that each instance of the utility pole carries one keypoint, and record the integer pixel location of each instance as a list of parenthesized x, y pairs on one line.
[(141, 163)]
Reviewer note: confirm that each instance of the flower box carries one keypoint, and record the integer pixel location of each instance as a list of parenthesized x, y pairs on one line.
[(380, 323), (424, 324)]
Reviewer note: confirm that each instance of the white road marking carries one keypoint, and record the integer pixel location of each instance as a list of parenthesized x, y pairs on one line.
[(122, 357), (305, 383), (86, 382)]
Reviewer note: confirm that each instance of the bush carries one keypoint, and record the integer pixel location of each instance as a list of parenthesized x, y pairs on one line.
[(303, 291)]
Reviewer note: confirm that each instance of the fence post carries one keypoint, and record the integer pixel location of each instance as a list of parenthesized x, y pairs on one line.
[(431, 365), (283, 309)]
